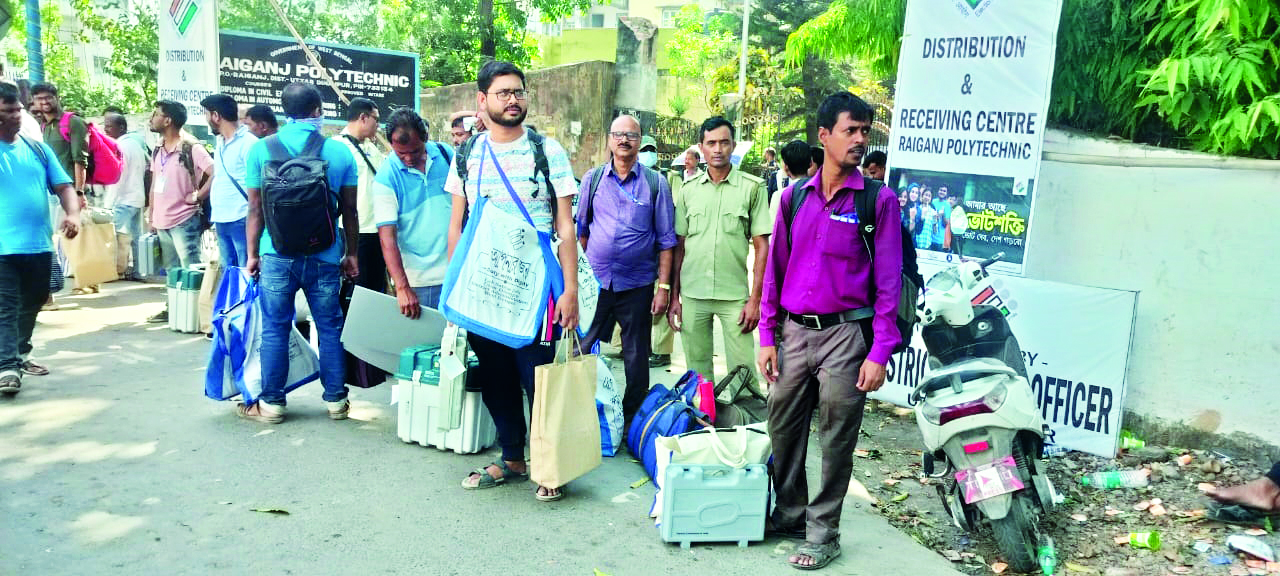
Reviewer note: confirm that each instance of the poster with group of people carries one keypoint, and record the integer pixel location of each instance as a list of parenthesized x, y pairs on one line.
[(968, 129)]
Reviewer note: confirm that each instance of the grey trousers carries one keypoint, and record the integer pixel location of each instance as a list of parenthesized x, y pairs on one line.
[(819, 368)]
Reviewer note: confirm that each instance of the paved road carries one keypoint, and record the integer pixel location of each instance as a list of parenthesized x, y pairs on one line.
[(116, 464)]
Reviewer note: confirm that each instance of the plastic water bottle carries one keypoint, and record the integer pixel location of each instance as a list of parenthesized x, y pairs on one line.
[(1116, 479), (1046, 556), (1055, 451)]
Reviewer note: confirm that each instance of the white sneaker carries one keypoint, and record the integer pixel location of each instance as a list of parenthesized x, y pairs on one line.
[(338, 410)]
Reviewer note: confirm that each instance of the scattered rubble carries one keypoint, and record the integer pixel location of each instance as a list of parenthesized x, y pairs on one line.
[(1092, 528)]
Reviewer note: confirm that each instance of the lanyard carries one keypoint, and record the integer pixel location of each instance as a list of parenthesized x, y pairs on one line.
[(635, 186), (514, 197)]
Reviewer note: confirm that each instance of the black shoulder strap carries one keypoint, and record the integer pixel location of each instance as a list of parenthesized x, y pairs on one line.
[(540, 163), (187, 159), (651, 176), (276, 149), (542, 166), (797, 197), (314, 145), (355, 144), (597, 173), (865, 204), (464, 154), (444, 151), (38, 148)]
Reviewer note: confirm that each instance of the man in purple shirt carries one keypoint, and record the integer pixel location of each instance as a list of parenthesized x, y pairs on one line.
[(820, 287), (627, 229)]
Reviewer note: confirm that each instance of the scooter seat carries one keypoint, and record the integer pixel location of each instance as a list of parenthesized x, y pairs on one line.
[(969, 370)]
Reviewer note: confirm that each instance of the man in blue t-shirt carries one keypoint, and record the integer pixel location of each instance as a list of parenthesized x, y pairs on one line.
[(318, 275), (412, 212), (29, 172)]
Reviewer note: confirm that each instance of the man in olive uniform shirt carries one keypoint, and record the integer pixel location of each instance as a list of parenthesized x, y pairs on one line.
[(720, 215)]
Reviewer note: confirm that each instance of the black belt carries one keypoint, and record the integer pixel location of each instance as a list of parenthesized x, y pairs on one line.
[(824, 321)]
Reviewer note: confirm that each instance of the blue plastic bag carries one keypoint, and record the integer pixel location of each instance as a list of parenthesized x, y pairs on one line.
[(235, 367)]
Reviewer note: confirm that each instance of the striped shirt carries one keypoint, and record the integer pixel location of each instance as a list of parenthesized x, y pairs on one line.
[(516, 159)]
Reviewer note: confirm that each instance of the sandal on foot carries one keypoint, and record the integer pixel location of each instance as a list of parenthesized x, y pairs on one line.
[(822, 555), (1241, 515), (488, 481), (558, 494), (34, 369), (10, 384), (258, 412)]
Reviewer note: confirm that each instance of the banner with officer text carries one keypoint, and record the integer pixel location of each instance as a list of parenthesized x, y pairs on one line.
[(188, 67), (1075, 341), (968, 127)]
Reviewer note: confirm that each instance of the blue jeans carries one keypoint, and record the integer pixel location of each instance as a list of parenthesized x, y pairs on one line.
[(180, 245), (128, 221), (429, 296), (24, 286), (233, 245), (279, 279)]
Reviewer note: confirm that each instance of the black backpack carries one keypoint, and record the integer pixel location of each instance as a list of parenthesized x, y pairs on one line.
[(299, 206), (540, 165), (865, 205)]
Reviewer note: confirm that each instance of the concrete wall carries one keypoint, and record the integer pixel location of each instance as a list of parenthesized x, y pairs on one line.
[(559, 97), (1194, 234)]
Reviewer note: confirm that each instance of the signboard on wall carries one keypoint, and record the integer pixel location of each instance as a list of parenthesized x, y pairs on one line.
[(968, 128), (255, 68), (1075, 341), (188, 38)]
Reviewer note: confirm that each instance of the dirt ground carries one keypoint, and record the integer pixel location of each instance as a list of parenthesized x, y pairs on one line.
[(1088, 525)]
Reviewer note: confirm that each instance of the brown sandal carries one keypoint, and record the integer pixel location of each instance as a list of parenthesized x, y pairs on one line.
[(34, 369)]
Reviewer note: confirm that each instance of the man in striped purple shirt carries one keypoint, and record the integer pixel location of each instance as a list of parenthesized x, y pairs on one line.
[(835, 307)]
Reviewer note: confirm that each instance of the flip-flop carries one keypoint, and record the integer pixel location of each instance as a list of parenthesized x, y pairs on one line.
[(822, 555), (34, 369), (487, 481), (548, 498), (10, 384), (1241, 515)]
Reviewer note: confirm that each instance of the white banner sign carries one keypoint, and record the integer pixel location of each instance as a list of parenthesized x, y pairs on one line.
[(967, 131), (188, 68), (1075, 341)]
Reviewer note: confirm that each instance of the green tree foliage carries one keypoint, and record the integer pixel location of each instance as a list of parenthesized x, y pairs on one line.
[(1203, 74), (61, 70), (135, 50), (697, 50)]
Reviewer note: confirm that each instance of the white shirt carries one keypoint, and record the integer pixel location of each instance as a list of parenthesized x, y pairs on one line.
[(225, 192), (30, 127), (129, 191), (365, 175)]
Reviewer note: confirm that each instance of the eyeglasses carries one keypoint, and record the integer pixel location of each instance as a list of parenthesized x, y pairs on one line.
[(632, 136), (507, 94)]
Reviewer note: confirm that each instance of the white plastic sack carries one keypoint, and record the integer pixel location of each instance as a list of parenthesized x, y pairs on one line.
[(608, 408), (588, 294), (736, 447), (235, 359)]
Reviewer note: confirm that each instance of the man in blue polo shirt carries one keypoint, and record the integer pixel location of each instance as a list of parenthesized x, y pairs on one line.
[(227, 195), (29, 172), (318, 275), (412, 211)]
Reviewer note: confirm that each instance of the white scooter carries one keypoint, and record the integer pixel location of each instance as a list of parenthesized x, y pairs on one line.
[(978, 417)]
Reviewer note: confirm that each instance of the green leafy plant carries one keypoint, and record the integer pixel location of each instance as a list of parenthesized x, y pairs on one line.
[(679, 104)]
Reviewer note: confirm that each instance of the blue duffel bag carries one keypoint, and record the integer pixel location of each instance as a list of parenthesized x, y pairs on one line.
[(665, 412)]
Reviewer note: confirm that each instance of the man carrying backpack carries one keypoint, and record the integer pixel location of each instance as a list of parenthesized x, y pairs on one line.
[(227, 196), (821, 282), (626, 224), (181, 171), (298, 182), (72, 151)]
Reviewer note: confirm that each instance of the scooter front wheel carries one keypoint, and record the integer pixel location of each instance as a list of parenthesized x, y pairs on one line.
[(1016, 535)]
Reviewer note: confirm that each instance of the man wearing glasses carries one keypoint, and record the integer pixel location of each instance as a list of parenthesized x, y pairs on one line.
[(362, 127), (626, 224), (720, 216), (517, 170)]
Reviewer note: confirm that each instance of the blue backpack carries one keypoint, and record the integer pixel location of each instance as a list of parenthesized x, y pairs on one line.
[(664, 413)]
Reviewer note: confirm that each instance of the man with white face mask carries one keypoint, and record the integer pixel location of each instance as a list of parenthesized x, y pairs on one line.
[(626, 224), (648, 156)]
